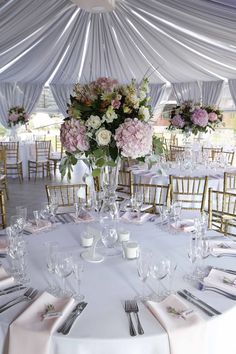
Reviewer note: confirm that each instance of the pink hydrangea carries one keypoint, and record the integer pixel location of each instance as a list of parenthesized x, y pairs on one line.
[(73, 136), (200, 117), (177, 121), (212, 116), (134, 138), (105, 83), (13, 117)]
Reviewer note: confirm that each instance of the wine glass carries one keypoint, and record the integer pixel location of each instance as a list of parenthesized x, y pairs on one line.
[(63, 269), (193, 256), (143, 268), (78, 269), (53, 206), (22, 212), (17, 223), (52, 251), (159, 271), (171, 269), (138, 202)]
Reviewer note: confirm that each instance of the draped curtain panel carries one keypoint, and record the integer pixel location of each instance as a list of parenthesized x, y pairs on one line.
[(61, 94), (232, 88), (18, 94), (211, 91), (156, 93), (185, 91)]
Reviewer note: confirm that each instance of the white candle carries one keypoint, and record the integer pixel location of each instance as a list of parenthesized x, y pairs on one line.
[(131, 250), (124, 236), (86, 240)]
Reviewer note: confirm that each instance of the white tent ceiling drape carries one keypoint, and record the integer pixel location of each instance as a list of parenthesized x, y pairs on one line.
[(171, 41)]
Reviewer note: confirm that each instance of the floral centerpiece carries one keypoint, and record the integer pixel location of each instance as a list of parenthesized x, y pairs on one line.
[(195, 118), (106, 121), (17, 116)]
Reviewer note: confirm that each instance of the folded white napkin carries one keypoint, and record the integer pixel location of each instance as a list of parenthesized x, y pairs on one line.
[(3, 245), (216, 278), (186, 225), (5, 279), (219, 247), (83, 217), (186, 335), (29, 333), (31, 226), (133, 217)]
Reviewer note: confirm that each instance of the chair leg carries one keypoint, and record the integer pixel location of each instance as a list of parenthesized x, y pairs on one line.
[(55, 167), (36, 172), (28, 170)]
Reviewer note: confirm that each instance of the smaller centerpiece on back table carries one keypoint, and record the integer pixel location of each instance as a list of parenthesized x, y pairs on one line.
[(17, 116), (195, 118), (106, 121)]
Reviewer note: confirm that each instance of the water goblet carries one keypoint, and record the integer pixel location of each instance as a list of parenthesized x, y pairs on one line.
[(52, 251), (78, 269), (143, 269), (159, 271), (63, 269)]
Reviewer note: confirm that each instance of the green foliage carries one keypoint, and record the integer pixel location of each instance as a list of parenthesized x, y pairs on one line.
[(158, 145)]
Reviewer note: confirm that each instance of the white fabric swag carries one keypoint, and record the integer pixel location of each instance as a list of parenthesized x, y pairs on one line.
[(211, 91), (185, 91), (61, 94), (156, 94), (232, 88), (18, 94)]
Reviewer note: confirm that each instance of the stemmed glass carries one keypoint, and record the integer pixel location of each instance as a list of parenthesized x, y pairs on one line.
[(52, 251), (193, 255), (17, 223), (53, 206), (171, 269), (63, 268), (144, 268), (109, 237), (78, 269), (22, 212), (159, 271)]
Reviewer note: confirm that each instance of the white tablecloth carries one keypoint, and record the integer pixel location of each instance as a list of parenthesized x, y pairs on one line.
[(103, 326)]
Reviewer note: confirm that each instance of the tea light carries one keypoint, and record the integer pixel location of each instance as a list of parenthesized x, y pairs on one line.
[(131, 250), (86, 240), (124, 236)]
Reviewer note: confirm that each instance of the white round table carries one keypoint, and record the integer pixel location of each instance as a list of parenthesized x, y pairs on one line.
[(103, 326)]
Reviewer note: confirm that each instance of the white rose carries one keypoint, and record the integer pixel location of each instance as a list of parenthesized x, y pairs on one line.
[(142, 95), (94, 122), (103, 137), (144, 113)]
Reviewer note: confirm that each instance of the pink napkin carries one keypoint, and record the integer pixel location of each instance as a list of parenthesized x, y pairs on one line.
[(29, 334), (186, 225), (3, 245), (216, 278), (133, 218), (43, 225), (186, 335), (5, 279), (83, 217)]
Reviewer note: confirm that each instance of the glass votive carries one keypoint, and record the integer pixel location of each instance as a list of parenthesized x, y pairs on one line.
[(86, 240), (131, 250), (123, 236)]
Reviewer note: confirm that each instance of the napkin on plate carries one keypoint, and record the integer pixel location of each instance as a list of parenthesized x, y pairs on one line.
[(29, 333), (5, 279), (83, 217), (186, 225), (219, 247), (32, 228), (186, 335), (133, 217), (216, 278)]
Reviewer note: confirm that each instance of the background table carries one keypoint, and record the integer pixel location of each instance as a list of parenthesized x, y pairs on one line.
[(103, 326)]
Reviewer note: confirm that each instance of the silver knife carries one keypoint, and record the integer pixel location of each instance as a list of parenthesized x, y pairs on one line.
[(12, 290), (69, 318), (202, 302), (186, 297), (67, 330)]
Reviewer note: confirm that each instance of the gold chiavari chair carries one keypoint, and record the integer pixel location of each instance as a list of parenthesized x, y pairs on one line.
[(56, 156), (3, 213), (222, 212), (14, 164), (176, 151), (3, 172), (125, 180), (210, 152), (230, 182), (190, 191), (41, 163), (228, 156), (67, 194), (154, 195)]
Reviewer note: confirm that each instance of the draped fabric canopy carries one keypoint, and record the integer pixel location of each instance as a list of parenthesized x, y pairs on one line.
[(182, 42)]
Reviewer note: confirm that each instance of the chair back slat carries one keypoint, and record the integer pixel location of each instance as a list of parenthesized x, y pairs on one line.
[(67, 194)]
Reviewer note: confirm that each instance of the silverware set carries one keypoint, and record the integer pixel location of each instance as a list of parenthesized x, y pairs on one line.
[(67, 325), (12, 289), (204, 287), (130, 307), (28, 296), (230, 271)]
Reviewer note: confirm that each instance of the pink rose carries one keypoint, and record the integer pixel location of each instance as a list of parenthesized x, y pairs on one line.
[(212, 116)]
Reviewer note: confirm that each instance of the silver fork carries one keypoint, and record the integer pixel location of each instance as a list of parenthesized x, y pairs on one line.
[(26, 294), (128, 310), (28, 298), (135, 309)]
